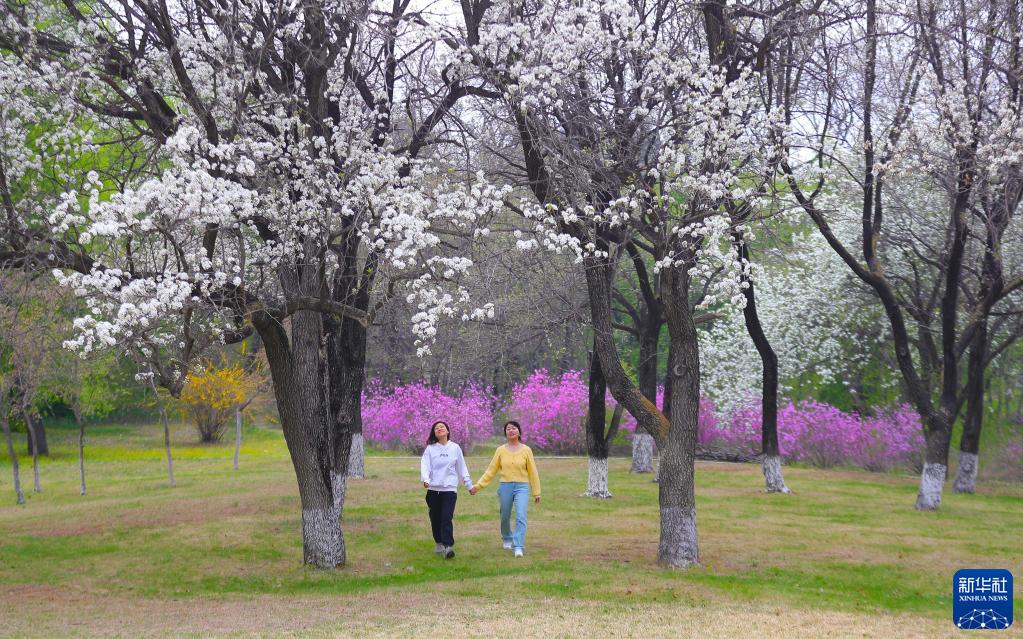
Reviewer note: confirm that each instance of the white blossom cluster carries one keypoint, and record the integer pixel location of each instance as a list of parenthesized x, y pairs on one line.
[(809, 316), (43, 143), (245, 164), (659, 146)]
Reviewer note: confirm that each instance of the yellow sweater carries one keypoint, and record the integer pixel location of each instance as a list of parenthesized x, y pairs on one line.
[(517, 466)]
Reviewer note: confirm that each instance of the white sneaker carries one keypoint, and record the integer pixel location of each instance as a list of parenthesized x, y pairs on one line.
[(518, 552), (439, 549), (507, 545)]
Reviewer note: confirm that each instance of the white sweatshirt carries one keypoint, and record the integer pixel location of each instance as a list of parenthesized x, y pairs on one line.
[(442, 465)]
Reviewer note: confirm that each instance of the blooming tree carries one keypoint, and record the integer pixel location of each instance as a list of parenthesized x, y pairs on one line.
[(628, 133), (927, 165), (268, 179), (400, 418), (806, 311)]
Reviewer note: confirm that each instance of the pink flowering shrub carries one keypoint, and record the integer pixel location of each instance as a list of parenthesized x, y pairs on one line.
[(706, 420), (399, 418), (552, 411), (821, 435), (1004, 460)]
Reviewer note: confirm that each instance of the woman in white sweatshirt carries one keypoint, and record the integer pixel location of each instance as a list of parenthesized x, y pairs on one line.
[(441, 468)]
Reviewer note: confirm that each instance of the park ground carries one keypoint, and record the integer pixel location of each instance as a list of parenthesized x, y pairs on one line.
[(220, 554)]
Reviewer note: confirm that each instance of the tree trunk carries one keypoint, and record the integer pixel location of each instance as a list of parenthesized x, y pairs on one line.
[(357, 457), (643, 443), (33, 445), (642, 453), (4, 421), (679, 543), (596, 417), (237, 435), (166, 434), (319, 456), (966, 475), (675, 439), (665, 406), (937, 436), (771, 457), (346, 371), (597, 441), (596, 479), (36, 433), (80, 421), (969, 442), (648, 327)]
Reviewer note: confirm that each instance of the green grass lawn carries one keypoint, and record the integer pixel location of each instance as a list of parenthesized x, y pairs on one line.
[(221, 553)]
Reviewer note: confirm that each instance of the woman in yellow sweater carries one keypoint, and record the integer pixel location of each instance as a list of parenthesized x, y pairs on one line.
[(515, 462)]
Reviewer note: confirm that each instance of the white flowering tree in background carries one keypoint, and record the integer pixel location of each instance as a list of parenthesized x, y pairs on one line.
[(925, 155), (807, 310), (629, 134), (272, 155)]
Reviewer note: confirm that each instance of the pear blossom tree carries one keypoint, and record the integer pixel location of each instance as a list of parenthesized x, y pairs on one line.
[(628, 133), (275, 157), (928, 143), (743, 37), (805, 306)]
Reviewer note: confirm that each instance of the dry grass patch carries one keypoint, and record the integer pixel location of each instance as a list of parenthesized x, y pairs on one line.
[(30, 612)]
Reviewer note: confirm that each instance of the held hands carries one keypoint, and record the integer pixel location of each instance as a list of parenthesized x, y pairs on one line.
[(472, 491)]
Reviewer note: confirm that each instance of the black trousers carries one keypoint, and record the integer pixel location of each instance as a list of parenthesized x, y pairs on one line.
[(442, 510)]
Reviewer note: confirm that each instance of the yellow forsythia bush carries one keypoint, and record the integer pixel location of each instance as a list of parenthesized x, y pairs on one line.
[(211, 396)]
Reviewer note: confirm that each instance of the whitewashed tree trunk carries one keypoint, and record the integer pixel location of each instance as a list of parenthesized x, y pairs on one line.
[(773, 477), (340, 486), (596, 481), (932, 481), (678, 546), (657, 471), (237, 435), (356, 458), (318, 456), (323, 545), (14, 457), (642, 453), (966, 476)]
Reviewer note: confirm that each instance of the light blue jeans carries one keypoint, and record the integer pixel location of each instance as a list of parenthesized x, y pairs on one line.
[(516, 492)]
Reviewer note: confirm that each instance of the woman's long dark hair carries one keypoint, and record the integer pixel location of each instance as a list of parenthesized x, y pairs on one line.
[(432, 439)]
